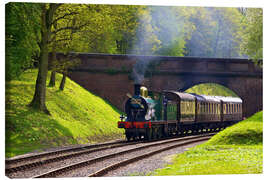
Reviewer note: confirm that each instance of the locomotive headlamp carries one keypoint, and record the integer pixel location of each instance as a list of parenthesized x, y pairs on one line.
[(122, 117)]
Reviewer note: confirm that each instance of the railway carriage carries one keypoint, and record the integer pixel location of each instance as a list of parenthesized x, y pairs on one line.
[(153, 115)]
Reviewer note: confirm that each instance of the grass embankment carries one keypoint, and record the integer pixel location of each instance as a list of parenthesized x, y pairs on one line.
[(211, 89), (235, 150), (77, 116)]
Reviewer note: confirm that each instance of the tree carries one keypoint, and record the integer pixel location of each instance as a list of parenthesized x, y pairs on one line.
[(99, 35), (215, 33), (22, 35), (147, 41), (125, 22), (47, 14), (67, 62), (64, 26), (173, 29), (58, 23), (252, 43)]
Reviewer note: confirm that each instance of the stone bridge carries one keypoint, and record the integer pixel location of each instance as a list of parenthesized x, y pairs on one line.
[(109, 76)]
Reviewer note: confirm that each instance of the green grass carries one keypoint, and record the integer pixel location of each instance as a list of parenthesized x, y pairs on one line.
[(77, 116), (236, 150), (211, 89)]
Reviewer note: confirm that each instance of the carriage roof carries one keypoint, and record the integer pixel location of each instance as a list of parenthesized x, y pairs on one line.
[(175, 95), (230, 99)]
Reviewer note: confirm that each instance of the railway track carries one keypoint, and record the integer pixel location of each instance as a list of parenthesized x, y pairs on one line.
[(34, 161), (101, 165)]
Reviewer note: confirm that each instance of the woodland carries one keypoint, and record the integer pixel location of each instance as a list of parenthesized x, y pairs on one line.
[(35, 30)]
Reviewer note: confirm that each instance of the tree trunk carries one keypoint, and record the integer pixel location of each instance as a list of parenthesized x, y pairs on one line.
[(53, 67), (63, 82), (52, 79), (39, 98)]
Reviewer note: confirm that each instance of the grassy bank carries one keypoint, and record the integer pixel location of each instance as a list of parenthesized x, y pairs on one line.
[(211, 89), (77, 116), (236, 150)]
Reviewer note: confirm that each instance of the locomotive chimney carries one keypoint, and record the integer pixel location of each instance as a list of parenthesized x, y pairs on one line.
[(137, 88)]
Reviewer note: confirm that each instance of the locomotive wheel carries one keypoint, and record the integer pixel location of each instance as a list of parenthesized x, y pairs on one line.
[(160, 134), (154, 133), (128, 137)]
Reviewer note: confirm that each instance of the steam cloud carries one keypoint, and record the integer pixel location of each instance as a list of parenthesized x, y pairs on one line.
[(157, 30), (160, 28)]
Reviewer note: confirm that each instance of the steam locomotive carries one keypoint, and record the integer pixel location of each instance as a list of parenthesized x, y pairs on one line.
[(153, 115)]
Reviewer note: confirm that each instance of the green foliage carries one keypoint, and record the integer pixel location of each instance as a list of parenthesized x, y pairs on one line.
[(211, 89), (98, 35), (119, 29), (253, 34), (215, 32), (235, 150), (147, 41), (22, 37), (77, 116)]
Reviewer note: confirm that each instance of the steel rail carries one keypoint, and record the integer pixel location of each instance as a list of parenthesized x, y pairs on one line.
[(63, 157), (56, 172), (112, 167), (46, 154)]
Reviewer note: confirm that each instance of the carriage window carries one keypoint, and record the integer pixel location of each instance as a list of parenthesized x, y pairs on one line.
[(203, 108)]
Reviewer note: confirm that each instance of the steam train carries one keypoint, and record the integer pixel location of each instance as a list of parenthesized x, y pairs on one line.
[(153, 115)]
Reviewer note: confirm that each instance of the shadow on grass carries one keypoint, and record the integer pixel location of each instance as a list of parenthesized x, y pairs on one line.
[(28, 129)]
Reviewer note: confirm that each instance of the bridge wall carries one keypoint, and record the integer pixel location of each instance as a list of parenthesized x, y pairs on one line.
[(109, 76)]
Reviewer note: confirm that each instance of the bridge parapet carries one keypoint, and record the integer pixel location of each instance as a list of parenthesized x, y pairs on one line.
[(163, 64), (109, 76)]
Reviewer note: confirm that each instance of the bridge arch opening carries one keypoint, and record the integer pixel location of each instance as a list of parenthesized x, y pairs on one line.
[(212, 89)]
